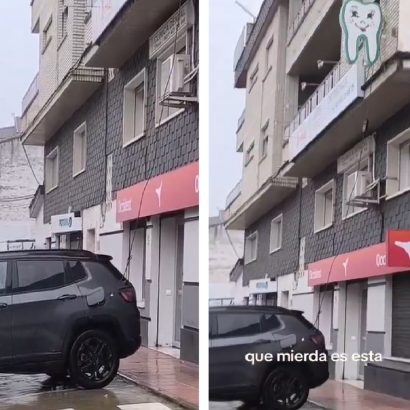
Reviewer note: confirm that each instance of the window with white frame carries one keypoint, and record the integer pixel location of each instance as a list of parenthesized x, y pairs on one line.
[(275, 242), (251, 247), (264, 141), (354, 182), (46, 35), (52, 168), (171, 71), (324, 206), (80, 149), (398, 164), (249, 153), (135, 103)]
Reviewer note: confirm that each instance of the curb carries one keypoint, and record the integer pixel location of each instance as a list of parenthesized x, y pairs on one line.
[(179, 402), (315, 403)]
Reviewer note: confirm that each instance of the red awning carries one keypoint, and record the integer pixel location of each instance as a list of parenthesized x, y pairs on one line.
[(173, 191), (363, 263)]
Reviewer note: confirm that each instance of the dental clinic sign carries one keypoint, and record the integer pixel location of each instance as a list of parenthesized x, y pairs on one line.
[(362, 24), (65, 223), (344, 93)]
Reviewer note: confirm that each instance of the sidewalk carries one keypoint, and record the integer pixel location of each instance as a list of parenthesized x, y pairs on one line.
[(335, 395), (163, 374)]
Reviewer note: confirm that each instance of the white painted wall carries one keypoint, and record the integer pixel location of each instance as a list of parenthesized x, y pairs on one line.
[(41, 231), (191, 247)]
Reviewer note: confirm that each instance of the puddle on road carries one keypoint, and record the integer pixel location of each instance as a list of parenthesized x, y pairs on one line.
[(12, 385)]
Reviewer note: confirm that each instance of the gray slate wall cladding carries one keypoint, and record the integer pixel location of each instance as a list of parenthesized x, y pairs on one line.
[(170, 146), (364, 229)]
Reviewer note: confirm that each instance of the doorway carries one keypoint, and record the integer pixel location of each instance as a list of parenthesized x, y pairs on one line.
[(363, 331), (179, 284)]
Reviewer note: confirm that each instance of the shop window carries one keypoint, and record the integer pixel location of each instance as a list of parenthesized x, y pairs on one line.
[(34, 276), (135, 103), (249, 154), (79, 149), (276, 233), (251, 247), (398, 164), (52, 169), (238, 324), (401, 315), (324, 206), (170, 78)]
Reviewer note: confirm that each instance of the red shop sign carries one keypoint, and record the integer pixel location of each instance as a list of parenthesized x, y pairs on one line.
[(363, 263), (173, 191), (398, 248)]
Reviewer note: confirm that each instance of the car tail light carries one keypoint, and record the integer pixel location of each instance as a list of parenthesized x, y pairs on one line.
[(128, 294), (318, 339)]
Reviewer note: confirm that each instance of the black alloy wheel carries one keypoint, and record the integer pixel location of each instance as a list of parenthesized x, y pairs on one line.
[(94, 360), (285, 389)]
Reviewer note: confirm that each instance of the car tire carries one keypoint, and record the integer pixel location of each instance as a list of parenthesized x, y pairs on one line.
[(285, 388), (93, 360)]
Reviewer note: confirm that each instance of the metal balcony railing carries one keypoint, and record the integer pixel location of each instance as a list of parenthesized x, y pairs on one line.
[(315, 99), (30, 95), (299, 18), (234, 194)]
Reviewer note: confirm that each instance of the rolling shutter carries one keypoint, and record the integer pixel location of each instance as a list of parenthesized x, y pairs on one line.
[(401, 315)]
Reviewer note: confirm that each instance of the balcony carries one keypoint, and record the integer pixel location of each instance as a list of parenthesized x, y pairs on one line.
[(40, 123), (242, 212), (299, 18), (239, 133), (314, 34), (30, 95), (241, 44), (137, 20)]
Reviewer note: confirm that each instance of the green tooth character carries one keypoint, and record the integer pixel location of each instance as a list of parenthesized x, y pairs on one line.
[(361, 22)]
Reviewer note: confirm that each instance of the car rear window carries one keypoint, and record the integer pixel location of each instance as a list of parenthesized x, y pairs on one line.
[(238, 324), (74, 272)]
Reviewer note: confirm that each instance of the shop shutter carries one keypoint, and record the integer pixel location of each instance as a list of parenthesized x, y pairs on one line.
[(401, 315)]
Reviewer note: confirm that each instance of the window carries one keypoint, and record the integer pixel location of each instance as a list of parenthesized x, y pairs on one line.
[(264, 141), (269, 322), (3, 277), (46, 36), (88, 10), (37, 275), (253, 78), (135, 102), (276, 233), (251, 247), (354, 181), (268, 55), (171, 72), (63, 20), (79, 149), (404, 163), (398, 164), (238, 324), (52, 168), (324, 206), (74, 272), (249, 154)]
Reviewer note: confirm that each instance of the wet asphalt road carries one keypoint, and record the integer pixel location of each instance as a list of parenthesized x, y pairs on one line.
[(238, 405), (41, 393)]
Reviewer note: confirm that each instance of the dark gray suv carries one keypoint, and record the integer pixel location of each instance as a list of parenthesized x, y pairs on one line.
[(66, 312), (264, 354)]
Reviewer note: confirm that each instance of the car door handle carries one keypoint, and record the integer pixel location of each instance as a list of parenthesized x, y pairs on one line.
[(3, 305), (67, 297)]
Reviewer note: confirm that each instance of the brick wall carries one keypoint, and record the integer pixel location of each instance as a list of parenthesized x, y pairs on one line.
[(169, 146), (362, 230)]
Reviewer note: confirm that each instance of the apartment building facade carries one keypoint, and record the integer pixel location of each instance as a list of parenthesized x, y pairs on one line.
[(325, 245), (17, 186), (120, 133)]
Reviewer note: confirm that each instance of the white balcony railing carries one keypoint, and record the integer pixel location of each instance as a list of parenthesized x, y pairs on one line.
[(315, 99), (30, 95), (299, 18), (234, 194)]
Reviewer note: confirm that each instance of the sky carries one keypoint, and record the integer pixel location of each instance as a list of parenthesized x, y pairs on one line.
[(227, 20), (18, 57)]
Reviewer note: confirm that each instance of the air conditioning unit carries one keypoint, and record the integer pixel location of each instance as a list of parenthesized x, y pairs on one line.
[(180, 70)]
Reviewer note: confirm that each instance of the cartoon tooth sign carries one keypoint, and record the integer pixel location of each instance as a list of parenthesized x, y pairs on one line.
[(362, 23)]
